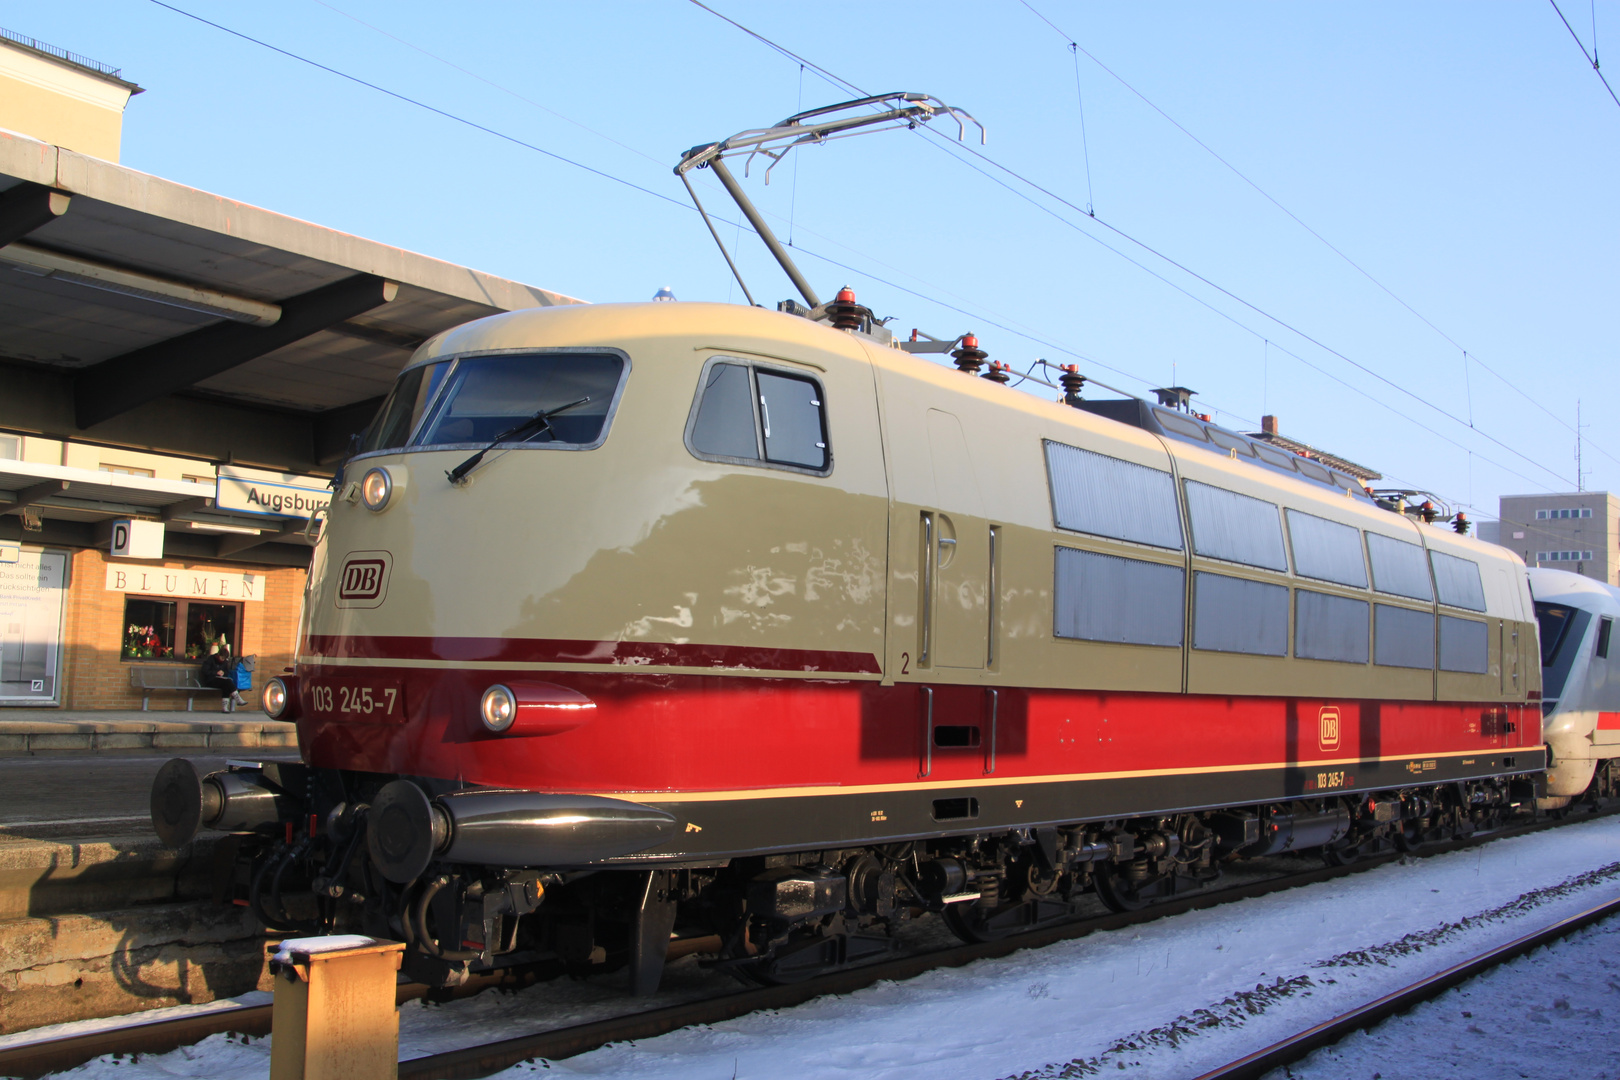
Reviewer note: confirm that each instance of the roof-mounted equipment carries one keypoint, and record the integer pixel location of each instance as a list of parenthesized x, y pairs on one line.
[(880, 112), (845, 313), (1072, 383), (969, 357), (1423, 505)]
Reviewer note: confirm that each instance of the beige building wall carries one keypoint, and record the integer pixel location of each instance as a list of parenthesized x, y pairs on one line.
[(43, 451), (1549, 531), (62, 102)]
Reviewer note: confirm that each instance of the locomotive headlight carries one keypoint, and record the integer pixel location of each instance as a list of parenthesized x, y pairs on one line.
[(375, 489), (275, 698), (498, 708)]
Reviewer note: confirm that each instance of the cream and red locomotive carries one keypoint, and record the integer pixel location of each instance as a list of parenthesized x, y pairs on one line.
[(769, 634), (647, 629)]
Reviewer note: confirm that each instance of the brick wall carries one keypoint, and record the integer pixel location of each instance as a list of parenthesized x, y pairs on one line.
[(94, 676)]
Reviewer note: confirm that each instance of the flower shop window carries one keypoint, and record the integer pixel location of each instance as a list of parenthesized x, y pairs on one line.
[(156, 629)]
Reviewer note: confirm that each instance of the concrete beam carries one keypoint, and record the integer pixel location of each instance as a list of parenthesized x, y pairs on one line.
[(28, 496), (115, 386), (176, 511), (26, 207), (38, 400)]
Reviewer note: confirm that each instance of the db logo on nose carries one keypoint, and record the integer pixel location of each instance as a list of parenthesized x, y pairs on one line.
[(363, 581)]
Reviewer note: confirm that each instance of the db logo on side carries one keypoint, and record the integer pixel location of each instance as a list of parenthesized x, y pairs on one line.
[(1327, 736), (363, 581)]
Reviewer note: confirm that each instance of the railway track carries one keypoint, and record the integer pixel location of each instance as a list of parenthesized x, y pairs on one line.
[(35, 1060), (1298, 1046)]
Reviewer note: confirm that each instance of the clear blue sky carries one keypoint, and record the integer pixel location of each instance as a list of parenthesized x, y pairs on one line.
[(1464, 155)]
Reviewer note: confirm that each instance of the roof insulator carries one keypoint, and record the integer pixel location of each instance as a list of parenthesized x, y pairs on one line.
[(845, 313), (969, 357), (1072, 382)]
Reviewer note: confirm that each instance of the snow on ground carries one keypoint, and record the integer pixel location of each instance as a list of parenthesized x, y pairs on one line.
[(1169, 999), (1549, 1014)]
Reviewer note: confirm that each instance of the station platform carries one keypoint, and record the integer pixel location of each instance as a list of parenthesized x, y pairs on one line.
[(97, 917), (35, 732)]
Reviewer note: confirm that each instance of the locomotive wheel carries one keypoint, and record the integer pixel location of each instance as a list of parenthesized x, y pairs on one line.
[(967, 923), (973, 923), (1119, 893), (1116, 893), (1410, 836), (1341, 856)]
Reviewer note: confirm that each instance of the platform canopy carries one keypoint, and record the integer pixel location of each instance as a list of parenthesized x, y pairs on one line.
[(139, 313)]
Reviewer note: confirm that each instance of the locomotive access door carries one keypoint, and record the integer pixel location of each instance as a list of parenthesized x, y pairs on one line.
[(957, 550), (1512, 681)]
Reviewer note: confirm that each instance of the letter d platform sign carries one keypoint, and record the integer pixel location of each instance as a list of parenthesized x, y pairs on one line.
[(136, 539)]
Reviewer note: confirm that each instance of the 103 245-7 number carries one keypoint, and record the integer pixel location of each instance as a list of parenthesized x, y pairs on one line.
[(379, 699)]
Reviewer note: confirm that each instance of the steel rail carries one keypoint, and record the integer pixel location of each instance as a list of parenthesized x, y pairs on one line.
[(33, 1060), (1296, 1047)]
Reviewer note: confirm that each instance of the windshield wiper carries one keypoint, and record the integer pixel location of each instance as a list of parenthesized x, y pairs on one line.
[(540, 422)]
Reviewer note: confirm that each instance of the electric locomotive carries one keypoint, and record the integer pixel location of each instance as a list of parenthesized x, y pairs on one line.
[(762, 632), (643, 630)]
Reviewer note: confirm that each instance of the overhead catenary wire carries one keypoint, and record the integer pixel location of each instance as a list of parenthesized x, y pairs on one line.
[(1591, 57), (1249, 329), (793, 202), (423, 105), (1025, 332), (950, 147), (486, 81), (1085, 144), (979, 316), (1148, 382), (793, 225), (619, 180), (1235, 171)]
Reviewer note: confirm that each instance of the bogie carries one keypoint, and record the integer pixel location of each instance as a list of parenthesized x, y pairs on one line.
[(787, 917)]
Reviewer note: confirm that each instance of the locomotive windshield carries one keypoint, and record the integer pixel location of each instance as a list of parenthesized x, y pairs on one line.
[(475, 399), (411, 394), (1562, 628)]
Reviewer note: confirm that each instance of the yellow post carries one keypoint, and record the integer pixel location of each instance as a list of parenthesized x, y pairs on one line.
[(334, 1016)]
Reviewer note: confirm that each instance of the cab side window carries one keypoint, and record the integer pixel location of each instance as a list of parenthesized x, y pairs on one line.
[(724, 426), (757, 415)]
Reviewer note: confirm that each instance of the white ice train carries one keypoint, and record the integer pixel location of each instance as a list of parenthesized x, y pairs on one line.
[(1580, 671)]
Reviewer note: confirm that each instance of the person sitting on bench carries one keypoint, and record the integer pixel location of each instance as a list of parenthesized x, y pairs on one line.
[(219, 672)]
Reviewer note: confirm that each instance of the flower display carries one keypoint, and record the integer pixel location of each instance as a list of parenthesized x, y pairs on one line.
[(143, 643)]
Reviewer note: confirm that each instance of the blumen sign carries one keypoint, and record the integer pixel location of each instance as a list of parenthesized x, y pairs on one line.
[(190, 584)]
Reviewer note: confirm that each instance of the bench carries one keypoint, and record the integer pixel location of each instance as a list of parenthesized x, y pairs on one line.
[(181, 678)]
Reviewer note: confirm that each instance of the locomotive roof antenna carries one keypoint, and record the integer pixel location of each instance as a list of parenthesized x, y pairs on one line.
[(895, 110)]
